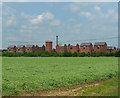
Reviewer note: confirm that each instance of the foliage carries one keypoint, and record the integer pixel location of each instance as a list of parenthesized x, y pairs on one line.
[(24, 74), (105, 88), (64, 54)]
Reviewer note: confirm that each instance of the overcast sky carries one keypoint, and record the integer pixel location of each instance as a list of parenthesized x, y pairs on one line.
[(34, 23)]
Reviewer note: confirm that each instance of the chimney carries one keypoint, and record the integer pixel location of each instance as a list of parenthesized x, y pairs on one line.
[(56, 40)]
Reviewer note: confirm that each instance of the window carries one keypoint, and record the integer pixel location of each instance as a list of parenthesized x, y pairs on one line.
[(83, 47), (18, 49), (71, 47), (98, 47), (28, 49), (9, 49), (15, 51)]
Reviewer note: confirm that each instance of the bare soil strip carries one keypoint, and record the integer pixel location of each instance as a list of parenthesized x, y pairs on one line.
[(63, 91)]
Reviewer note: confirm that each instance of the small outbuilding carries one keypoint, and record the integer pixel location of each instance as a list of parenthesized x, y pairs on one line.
[(111, 49)]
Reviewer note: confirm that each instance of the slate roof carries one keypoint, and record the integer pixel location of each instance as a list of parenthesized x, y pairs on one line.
[(29, 46), (20, 46), (99, 43), (110, 48), (85, 44), (11, 46)]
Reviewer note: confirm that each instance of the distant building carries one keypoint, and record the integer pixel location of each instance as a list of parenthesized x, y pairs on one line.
[(100, 47), (48, 46), (20, 48), (11, 49), (118, 49), (29, 48), (68, 48), (42, 48), (86, 47), (73, 49), (111, 49), (60, 48)]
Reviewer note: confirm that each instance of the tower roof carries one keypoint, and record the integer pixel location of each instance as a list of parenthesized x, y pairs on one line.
[(49, 41)]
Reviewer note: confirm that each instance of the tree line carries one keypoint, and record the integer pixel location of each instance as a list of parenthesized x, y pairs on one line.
[(55, 54)]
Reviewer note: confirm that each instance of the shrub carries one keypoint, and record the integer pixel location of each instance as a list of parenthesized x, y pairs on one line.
[(74, 54), (60, 54)]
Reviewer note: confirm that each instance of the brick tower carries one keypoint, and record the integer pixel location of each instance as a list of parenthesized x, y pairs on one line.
[(48, 46), (56, 40)]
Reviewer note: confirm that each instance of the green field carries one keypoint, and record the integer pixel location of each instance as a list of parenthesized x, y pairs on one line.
[(26, 74)]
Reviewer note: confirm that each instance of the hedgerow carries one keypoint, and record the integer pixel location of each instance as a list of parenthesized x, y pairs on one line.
[(64, 54)]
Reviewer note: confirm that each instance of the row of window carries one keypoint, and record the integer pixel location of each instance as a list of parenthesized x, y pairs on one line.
[(18, 50)]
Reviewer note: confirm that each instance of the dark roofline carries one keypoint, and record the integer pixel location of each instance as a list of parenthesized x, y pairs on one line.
[(20, 46), (29, 46), (48, 41), (12, 46), (86, 44), (99, 43)]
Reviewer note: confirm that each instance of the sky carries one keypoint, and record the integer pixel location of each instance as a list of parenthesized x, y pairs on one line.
[(59, 0), (73, 22)]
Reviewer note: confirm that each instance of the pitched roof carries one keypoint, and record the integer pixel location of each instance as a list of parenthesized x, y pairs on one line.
[(11, 46), (20, 46), (99, 43), (110, 48), (85, 44), (49, 41), (29, 46)]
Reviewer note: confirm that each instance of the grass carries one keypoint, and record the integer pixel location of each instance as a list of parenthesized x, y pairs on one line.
[(27, 74), (100, 88), (106, 88)]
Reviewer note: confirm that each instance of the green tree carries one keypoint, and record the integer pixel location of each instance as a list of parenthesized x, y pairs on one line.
[(74, 54)]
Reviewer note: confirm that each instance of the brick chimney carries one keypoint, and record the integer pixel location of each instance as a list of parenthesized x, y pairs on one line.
[(56, 40)]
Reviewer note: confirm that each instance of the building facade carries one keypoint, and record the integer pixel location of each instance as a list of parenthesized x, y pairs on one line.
[(48, 46), (100, 47), (111, 49), (86, 48), (11, 49), (29, 48), (20, 49)]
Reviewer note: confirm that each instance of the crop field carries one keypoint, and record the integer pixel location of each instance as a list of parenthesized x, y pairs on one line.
[(32, 74)]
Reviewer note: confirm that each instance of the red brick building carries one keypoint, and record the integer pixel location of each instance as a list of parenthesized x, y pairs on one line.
[(11, 49), (48, 46), (68, 48), (61, 48), (118, 49), (41, 48), (29, 48), (73, 49), (111, 49), (100, 47), (20, 48), (86, 47)]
